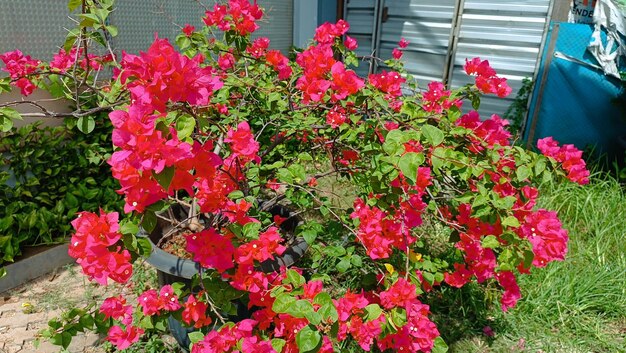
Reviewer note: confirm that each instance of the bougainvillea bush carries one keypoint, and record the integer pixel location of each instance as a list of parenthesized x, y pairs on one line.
[(224, 121)]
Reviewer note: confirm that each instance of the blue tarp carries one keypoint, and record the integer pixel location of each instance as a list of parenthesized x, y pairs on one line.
[(574, 100)]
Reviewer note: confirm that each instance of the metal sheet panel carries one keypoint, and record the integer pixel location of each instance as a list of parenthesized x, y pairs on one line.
[(509, 34), (277, 24), (363, 16), (427, 26)]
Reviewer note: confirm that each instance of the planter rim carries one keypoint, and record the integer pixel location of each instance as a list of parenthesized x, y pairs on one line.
[(187, 268)]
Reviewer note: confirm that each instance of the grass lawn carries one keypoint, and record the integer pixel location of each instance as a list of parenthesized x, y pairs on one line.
[(578, 305)]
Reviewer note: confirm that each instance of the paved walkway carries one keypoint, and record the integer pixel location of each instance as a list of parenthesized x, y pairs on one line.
[(25, 311)]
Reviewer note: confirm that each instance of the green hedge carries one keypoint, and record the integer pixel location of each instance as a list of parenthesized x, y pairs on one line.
[(46, 176)]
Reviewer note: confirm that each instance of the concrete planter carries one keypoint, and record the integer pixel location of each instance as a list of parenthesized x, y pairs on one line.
[(33, 263)]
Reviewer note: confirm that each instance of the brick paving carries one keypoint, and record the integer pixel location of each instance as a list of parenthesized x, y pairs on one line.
[(25, 311)]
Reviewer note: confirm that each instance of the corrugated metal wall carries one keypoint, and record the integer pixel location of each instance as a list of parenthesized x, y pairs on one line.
[(508, 33), (363, 17), (427, 25), (38, 28), (443, 33)]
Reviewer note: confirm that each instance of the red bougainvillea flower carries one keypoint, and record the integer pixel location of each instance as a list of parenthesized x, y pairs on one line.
[(258, 47), (123, 339), (437, 98), (345, 82), (116, 308), (403, 43), (169, 300), (350, 43), (194, 312), (261, 249), (238, 15), (188, 29), (547, 236), (511, 290), (280, 63), (327, 32), (486, 79), (388, 82), (486, 133), (400, 294), (242, 143), (211, 249), (93, 245), (149, 302), (418, 334), (396, 53), (162, 74), (569, 156)]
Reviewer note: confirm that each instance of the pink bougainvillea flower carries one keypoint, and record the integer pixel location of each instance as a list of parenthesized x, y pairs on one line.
[(123, 339), (242, 143), (401, 294), (194, 312), (569, 156), (188, 29), (388, 82), (350, 43), (116, 308), (396, 53), (21, 69), (211, 249)]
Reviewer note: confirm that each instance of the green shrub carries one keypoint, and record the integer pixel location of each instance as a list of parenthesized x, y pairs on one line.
[(46, 176)]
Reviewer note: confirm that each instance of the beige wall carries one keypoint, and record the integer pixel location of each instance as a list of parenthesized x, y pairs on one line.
[(32, 113)]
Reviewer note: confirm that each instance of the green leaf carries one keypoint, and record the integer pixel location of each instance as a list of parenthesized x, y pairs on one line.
[(183, 41), (149, 221), (409, 163), (300, 308), (505, 203), (309, 235), (344, 265), (144, 246), (328, 312), (296, 279), (522, 173), (373, 311), (73, 4), (475, 101), (433, 134), (251, 230), (10, 113), (510, 221), (6, 124), (195, 336), (86, 124), (490, 242), (282, 303), (298, 172), (308, 339), (165, 177), (185, 125), (440, 346), (3, 272), (278, 344), (394, 142), (112, 30), (284, 175)]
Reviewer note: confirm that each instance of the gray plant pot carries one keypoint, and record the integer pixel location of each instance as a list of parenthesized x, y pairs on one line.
[(171, 268)]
